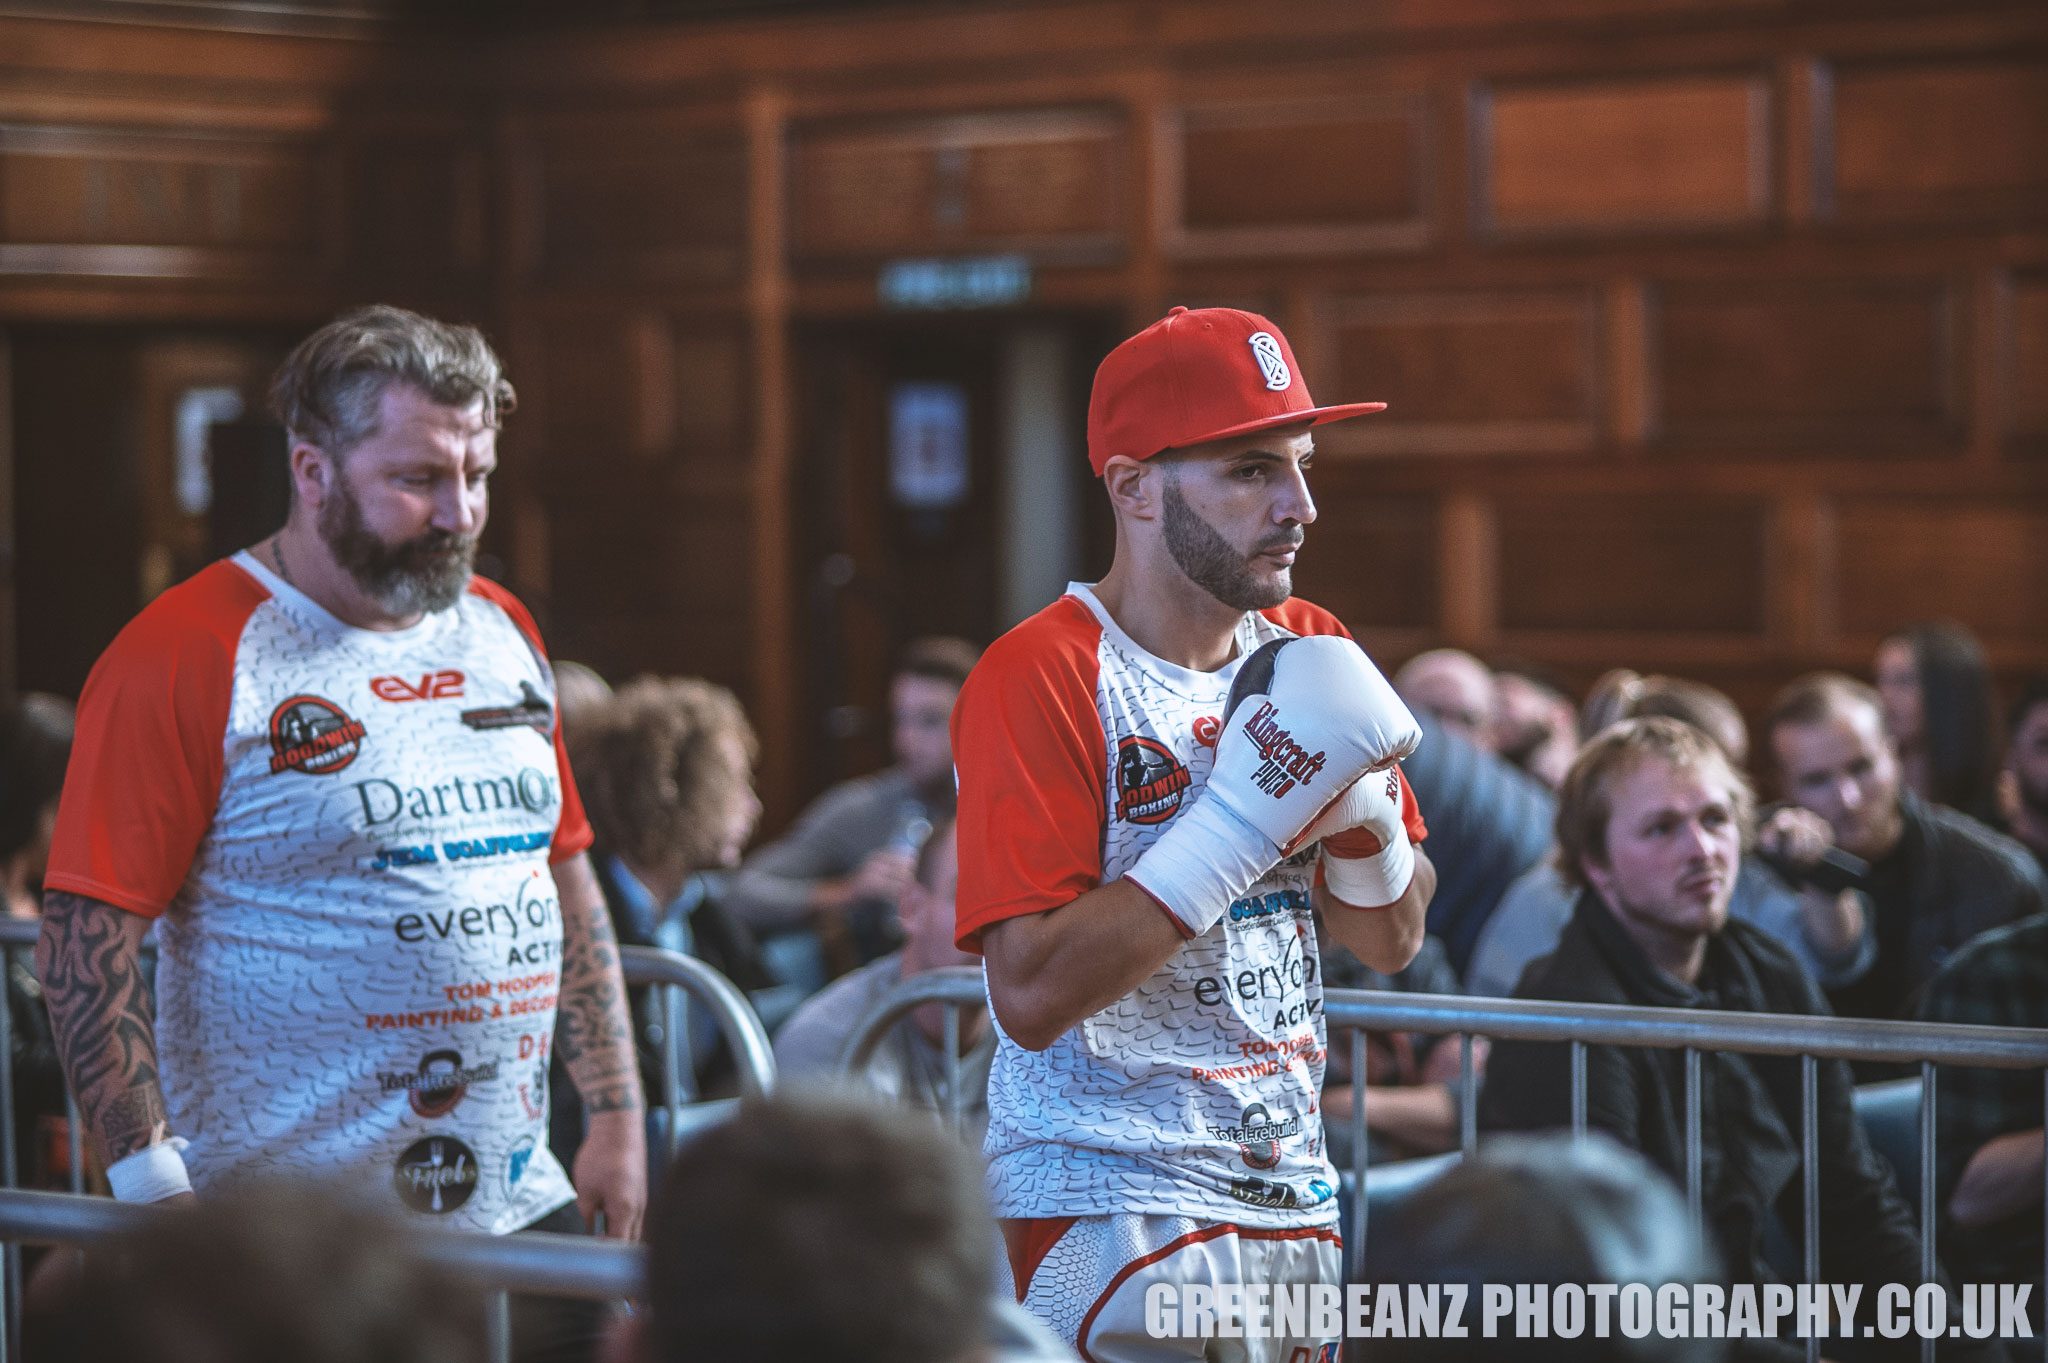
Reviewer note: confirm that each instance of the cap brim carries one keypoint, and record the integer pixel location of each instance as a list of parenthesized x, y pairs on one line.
[(1314, 416)]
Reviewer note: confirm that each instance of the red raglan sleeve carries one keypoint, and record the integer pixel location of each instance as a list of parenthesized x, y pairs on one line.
[(145, 772), (1306, 618), (1029, 752), (573, 835)]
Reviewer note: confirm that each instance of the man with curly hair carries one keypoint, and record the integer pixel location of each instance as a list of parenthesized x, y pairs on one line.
[(666, 770)]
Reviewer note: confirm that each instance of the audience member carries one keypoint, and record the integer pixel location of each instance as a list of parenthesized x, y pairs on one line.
[(1988, 1133), (579, 694), (1942, 716), (263, 1275), (852, 853), (1828, 931), (1455, 687), (822, 1228), (1543, 1210), (1535, 726), (35, 745), (1937, 878), (1414, 1102), (2023, 786), (1650, 829), (1488, 821), (910, 1063), (666, 771)]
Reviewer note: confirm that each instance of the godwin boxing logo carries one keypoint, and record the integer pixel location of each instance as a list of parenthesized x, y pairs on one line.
[(1285, 763), (1150, 781), (312, 735)]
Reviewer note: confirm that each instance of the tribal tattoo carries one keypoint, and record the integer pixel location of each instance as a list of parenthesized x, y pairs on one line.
[(593, 1034), (105, 1020)]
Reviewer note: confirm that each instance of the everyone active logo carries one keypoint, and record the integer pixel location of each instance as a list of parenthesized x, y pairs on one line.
[(1150, 781), (439, 1083), (435, 1174), (312, 735)]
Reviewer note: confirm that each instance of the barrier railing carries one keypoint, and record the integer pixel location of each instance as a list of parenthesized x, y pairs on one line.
[(671, 973), (1693, 1031)]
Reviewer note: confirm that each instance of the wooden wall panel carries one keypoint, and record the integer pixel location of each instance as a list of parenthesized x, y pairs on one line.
[(1296, 176), (2029, 361), (98, 187), (1906, 560), (1034, 180), (1852, 367), (1941, 140), (1626, 562), (1685, 151), (648, 201), (1371, 559), (1465, 373), (416, 204)]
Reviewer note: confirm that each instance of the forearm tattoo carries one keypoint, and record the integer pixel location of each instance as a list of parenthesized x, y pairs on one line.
[(104, 1019), (593, 1033)]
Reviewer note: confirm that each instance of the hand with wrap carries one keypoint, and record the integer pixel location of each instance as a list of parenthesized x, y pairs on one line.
[(1306, 719)]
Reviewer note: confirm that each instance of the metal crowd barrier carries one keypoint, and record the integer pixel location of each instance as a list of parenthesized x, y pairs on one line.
[(1582, 1024), (526, 1262)]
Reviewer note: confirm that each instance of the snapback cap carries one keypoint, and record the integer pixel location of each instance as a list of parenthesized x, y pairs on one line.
[(1195, 376)]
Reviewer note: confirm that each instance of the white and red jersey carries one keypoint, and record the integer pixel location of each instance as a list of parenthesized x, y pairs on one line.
[(345, 836), (1197, 1093)]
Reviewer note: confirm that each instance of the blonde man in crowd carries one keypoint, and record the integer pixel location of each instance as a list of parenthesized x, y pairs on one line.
[(1651, 827)]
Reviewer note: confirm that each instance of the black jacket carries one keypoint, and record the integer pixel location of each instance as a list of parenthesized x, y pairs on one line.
[(1750, 1115), (1949, 879)]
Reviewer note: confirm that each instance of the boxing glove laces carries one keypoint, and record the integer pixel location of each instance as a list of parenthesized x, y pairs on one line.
[(1305, 719)]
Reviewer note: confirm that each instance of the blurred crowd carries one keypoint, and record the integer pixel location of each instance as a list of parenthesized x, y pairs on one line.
[(1894, 871)]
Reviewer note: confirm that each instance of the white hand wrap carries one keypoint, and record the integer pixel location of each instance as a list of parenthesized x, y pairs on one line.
[(152, 1174), (1371, 882), (1207, 861)]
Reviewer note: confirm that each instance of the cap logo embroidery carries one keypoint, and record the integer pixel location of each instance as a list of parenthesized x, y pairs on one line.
[(1266, 351)]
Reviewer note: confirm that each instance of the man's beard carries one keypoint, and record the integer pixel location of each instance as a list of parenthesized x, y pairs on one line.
[(426, 573), (1213, 565)]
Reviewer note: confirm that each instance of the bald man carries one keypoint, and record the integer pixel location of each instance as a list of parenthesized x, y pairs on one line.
[(1455, 687)]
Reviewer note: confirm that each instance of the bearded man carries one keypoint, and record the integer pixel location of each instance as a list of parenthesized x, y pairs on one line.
[(1165, 778), (328, 769)]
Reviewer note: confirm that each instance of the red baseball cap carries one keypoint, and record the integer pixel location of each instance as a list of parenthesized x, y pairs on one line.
[(1196, 376)]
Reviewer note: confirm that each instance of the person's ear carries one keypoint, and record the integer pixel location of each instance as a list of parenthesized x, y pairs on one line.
[(1133, 486), (312, 473), (1600, 876)]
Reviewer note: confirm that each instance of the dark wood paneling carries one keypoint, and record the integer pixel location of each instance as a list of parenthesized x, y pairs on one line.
[(1465, 373), (1686, 151), (642, 200), (1372, 560), (1903, 561), (416, 204), (2029, 360), (1046, 180), (1941, 140), (1614, 562), (1296, 176), (1803, 367), (90, 187)]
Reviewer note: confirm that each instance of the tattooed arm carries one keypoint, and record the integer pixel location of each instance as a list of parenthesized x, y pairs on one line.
[(595, 1041), (104, 1019)]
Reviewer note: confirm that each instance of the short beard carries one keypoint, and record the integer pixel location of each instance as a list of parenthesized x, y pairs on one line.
[(1212, 564), (427, 573)]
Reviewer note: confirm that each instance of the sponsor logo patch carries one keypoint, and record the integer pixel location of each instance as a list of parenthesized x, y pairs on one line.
[(312, 735), (1150, 781), (440, 1082), (436, 1174), (532, 711), (1258, 1135), (1272, 364), (442, 685), (517, 1161), (1285, 763)]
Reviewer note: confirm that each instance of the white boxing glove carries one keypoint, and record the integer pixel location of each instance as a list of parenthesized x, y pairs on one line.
[(1306, 718), (1367, 858)]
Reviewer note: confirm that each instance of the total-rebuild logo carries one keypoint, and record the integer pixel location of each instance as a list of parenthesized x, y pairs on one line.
[(1285, 763), (438, 1085), (312, 735)]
